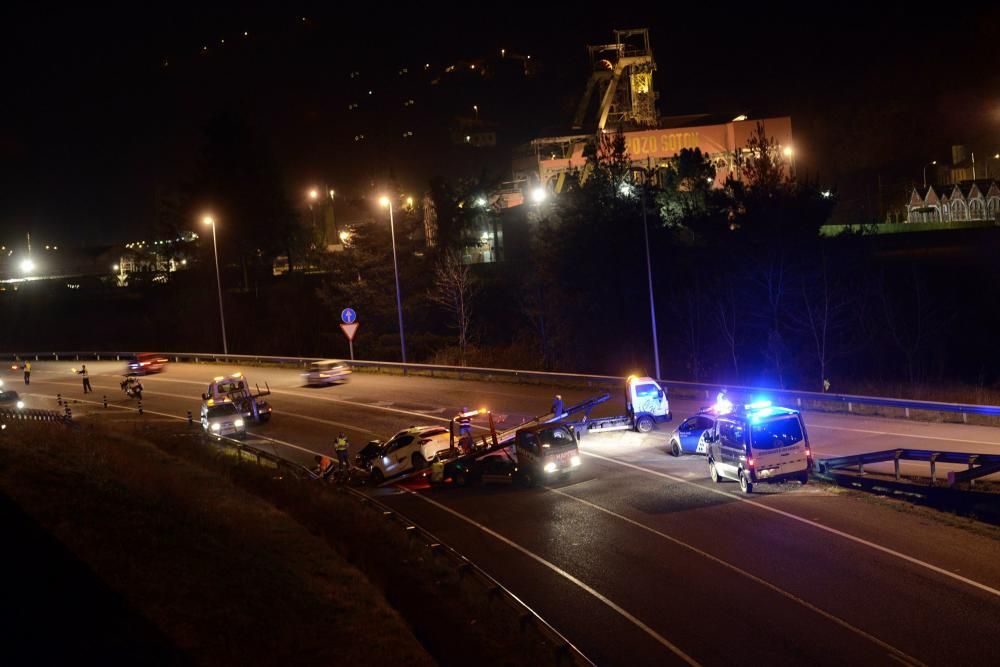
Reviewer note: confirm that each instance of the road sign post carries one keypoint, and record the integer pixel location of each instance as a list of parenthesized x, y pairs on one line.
[(349, 331), (349, 323)]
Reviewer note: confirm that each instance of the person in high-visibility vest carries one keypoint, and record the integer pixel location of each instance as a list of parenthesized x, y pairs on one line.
[(340, 445), (27, 372)]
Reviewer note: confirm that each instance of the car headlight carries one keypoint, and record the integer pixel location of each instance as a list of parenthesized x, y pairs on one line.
[(574, 461), (550, 467), (215, 427), (20, 405), (238, 423)]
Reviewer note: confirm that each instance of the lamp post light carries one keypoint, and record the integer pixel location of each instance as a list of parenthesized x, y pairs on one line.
[(208, 220), (475, 107), (996, 156), (386, 203), (649, 275), (929, 164)]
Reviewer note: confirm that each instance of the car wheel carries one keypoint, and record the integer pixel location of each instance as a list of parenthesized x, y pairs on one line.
[(419, 462), (644, 424), (746, 486), (376, 477), (713, 472), (675, 448), (527, 479), (804, 477)]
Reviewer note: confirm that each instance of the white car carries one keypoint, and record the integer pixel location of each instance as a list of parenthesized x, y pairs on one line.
[(222, 418), (408, 450), (326, 372)]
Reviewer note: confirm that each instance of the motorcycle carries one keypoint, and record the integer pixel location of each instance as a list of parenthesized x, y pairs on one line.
[(132, 387)]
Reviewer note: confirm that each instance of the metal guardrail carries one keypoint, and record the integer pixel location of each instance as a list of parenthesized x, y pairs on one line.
[(979, 465), (31, 414), (529, 618), (802, 399)]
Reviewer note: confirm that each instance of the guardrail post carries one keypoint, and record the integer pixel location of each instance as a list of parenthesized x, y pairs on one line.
[(105, 401), (906, 411), (972, 461), (56, 356), (934, 468), (140, 407), (965, 417), (850, 407), (190, 419), (899, 453), (58, 399), (861, 467)]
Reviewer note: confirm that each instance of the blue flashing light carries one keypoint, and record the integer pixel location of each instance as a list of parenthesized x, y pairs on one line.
[(758, 405)]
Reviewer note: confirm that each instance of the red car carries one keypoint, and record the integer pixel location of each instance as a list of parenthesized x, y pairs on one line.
[(147, 362)]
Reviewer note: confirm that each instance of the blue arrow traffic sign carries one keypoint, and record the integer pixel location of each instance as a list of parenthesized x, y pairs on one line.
[(348, 316)]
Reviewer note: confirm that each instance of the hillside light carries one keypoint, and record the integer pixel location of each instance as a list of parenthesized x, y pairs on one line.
[(538, 195), (625, 188), (313, 194), (481, 202), (788, 152), (345, 236), (409, 202), (114, 268), (27, 265), (384, 202), (208, 220)]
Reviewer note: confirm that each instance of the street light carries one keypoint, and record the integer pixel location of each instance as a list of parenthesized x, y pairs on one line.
[(929, 164), (27, 265), (538, 195), (626, 189), (208, 220), (384, 202), (475, 107)]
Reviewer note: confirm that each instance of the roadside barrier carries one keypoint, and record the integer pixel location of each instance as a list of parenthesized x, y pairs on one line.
[(565, 651), (979, 465), (805, 400), (31, 414)]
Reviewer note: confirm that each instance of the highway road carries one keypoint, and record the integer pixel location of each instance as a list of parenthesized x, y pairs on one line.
[(639, 559)]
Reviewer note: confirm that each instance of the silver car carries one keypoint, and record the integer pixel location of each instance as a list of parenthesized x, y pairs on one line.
[(327, 372), (222, 419)]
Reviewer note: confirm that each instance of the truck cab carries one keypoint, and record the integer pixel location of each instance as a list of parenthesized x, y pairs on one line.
[(646, 402)]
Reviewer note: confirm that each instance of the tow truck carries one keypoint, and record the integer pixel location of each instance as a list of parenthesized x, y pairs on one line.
[(542, 447), (646, 405), (235, 388)]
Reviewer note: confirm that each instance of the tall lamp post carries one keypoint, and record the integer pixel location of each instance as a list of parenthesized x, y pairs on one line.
[(386, 203), (208, 220), (626, 189), (929, 164)]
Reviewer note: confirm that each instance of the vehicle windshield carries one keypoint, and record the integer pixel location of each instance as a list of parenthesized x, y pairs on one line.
[(647, 391), (216, 411), (775, 433), (556, 438)]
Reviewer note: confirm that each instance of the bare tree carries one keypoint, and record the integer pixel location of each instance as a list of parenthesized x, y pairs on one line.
[(454, 288), (824, 316), (729, 322)]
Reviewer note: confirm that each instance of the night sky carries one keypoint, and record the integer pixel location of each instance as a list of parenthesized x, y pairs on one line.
[(93, 123)]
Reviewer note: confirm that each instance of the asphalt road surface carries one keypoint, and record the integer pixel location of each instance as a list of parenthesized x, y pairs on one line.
[(639, 559)]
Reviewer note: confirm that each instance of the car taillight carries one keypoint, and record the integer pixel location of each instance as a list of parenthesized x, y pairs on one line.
[(808, 453), (750, 462)]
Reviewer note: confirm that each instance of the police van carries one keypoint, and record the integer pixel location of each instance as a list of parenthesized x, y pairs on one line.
[(759, 443)]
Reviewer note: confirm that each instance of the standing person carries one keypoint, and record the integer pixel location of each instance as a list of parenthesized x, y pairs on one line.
[(27, 372), (86, 379), (557, 406), (465, 430), (340, 446)]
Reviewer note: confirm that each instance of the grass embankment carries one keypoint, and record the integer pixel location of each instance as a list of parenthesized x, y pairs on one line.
[(189, 567)]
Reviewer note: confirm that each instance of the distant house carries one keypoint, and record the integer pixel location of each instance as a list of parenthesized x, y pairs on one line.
[(965, 201)]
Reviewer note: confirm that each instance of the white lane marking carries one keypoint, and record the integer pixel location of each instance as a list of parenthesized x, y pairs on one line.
[(344, 401), (763, 582), (809, 522), (179, 418), (906, 435), (287, 414), (563, 573)]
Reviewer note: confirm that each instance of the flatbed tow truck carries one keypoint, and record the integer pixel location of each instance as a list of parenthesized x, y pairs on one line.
[(537, 443), (646, 405), (236, 389)]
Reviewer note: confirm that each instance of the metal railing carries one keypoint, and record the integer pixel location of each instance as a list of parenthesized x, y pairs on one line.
[(802, 399), (564, 650), (979, 465)]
